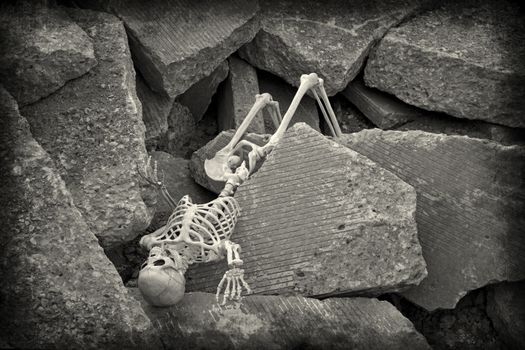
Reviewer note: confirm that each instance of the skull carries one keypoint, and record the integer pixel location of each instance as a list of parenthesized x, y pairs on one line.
[(161, 278)]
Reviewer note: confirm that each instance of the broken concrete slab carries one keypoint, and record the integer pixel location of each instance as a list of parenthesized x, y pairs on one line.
[(237, 97), (181, 126), (330, 38), (198, 97), (208, 152), (155, 111), (469, 210), (175, 174), (427, 62), (42, 49), (277, 322), (319, 219), (284, 93), (58, 288), (382, 109), (441, 123), (93, 130), (176, 43), (506, 308)]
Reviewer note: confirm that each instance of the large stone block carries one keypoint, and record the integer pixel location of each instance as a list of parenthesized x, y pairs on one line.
[(469, 209), (238, 96), (175, 174), (276, 322), (58, 288), (155, 111), (41, 50), (208, 152), (319, 219), (93, 130), (198, 97), (465, 58), (506, 308), (177, 43), (283, 93), (384, 110), (181, 127), (330, 38)]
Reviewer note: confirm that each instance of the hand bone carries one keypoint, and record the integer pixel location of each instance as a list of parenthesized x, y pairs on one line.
[(235, 282)]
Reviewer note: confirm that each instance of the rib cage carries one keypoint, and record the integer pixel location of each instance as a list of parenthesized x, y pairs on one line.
[(201, 225)]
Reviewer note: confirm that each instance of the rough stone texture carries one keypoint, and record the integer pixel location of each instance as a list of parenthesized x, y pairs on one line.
[(467, 326), (276, 322), (384, 110), (469, 209), (330, 38), (93, 130), (441, 123), (207, 152), (319, 219), (466, 59), (177, 43), (506, 308), (155, 111), (284, 93), (41, 50), (237, 97), (58, 288), (198, 97), (181, 126), (175, 174)]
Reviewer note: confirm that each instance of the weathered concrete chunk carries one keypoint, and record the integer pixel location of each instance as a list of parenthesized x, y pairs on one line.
[(208, 152), (58, 288), (237, 97), (469, 210), (384, 110), (441, 123), (175, 174), (155, 111), (349, 117), (41, 50), (330, 38), (93, 130), (319, 219), (177, 43), (506, 308), (181, 126), (276, 322), (198, 97), (284, 93), (465, 58)]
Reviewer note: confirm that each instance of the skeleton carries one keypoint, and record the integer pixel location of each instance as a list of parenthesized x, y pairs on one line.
[(197, 233)]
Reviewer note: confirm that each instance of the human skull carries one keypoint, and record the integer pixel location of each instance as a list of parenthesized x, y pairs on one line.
[(161, 278)]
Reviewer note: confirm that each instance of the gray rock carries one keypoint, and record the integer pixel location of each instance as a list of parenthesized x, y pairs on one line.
[(470, 200), (198, 97), (440, 123), (181, 126), (208, 151), (384, 110), (175, 174), (177, 43), (41, 50), (464, 58), (349, 117), (155, 111), (330, 38), (237, 97), (319, 219), (506, 308), (284, 93), (277, 322), (93, 130), (58, 288)]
